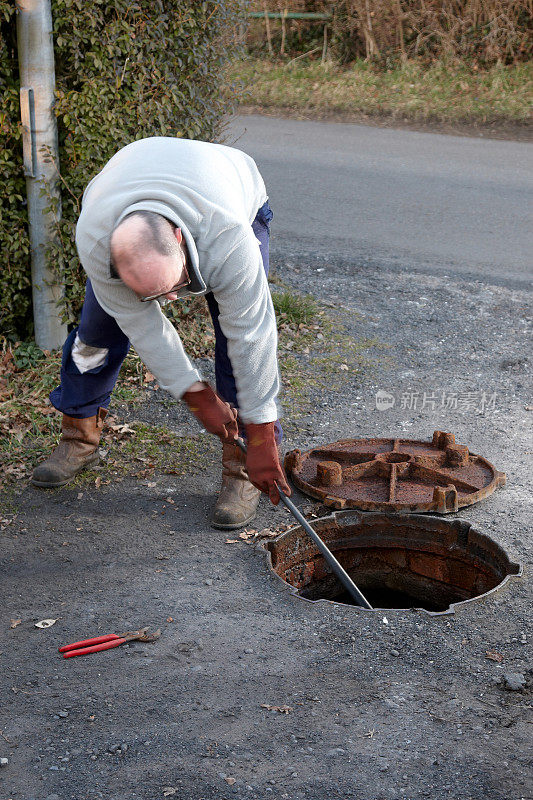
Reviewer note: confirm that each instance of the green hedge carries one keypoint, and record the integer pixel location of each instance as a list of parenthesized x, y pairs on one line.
[(123, 71)]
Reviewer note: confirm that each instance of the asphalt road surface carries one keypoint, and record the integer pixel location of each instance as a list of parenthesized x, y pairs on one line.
[(425, 200)]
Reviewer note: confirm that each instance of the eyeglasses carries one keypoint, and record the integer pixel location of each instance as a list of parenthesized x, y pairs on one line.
[(179, 288)]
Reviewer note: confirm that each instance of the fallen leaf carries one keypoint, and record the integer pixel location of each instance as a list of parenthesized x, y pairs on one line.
[(122, 430), (231, 541), (494, 656), (15, 622), (247, 534), (279, 709), (98, 482), (148, 377), (45, 623), (230, 781), (266, 533), (344, 367)]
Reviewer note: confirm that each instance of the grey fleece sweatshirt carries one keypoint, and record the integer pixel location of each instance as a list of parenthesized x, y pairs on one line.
[(212, 193)]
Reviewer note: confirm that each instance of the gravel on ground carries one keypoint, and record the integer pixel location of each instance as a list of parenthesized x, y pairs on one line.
[(375, 705)]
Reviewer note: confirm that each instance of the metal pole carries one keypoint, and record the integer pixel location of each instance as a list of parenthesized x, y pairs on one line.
[(287, 15), (41, 161)]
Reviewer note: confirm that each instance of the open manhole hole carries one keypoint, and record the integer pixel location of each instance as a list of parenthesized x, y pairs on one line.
[(398, 561)]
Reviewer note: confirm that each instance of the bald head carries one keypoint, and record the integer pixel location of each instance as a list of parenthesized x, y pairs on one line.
[(148, 253)]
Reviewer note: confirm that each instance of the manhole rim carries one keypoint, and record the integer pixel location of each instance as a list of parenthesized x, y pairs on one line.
[(453, 607)]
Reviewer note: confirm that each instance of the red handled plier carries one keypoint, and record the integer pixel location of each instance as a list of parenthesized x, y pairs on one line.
[(107, 642)]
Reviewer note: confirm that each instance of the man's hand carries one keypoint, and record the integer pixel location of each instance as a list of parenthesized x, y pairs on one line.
[(213, 413), (262, 461)]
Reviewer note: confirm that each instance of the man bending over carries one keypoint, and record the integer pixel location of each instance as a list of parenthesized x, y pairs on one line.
[(169, 218)]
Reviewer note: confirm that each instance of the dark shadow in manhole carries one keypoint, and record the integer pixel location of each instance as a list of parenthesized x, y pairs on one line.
[(399, 561)]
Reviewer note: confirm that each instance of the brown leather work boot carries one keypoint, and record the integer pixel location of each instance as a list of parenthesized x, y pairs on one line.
[(238, 498), (77, 449)]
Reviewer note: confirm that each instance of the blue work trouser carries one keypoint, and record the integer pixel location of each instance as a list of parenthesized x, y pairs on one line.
[(80, 394)]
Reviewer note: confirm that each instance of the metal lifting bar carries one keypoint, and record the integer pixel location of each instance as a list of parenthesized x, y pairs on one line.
[(357, 596)]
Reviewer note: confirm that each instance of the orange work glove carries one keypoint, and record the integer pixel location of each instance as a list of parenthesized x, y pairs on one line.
[(262, 460), (214, 414)]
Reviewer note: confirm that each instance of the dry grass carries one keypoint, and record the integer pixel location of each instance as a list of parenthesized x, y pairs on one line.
[(30, 426), (310, 357), (488, 31), (439, 93)]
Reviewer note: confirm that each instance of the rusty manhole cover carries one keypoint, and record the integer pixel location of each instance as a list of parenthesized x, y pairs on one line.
[(397, 560), (394, 474)]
